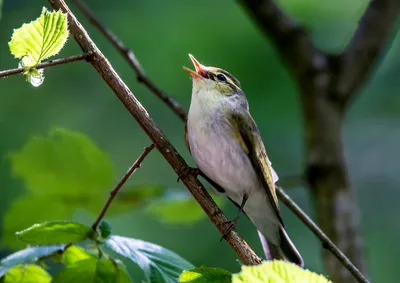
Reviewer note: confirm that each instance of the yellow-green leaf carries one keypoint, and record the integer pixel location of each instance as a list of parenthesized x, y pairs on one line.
[(27, 274), (205, 274), (277, 272), (74, 254), (92, 270), (39, 40)]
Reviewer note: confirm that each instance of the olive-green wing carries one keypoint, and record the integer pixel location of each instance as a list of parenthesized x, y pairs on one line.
[(250, 140)]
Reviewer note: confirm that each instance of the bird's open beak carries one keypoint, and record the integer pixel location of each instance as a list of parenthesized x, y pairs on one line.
[(201, 71)]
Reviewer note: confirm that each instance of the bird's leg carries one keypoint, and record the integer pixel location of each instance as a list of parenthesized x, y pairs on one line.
[(189, 170), (233, 223)]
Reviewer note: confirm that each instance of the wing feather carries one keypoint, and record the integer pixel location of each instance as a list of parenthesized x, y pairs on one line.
[(251, 139)]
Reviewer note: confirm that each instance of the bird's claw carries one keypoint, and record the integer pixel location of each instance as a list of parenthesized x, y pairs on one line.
[(231, 225), (189, 170)]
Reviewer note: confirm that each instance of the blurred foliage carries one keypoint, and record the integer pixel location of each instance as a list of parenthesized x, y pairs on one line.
[(178, 208), (61, 171), (162, 33), (78, 173)]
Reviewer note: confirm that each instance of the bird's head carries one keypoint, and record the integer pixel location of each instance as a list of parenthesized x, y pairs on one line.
[(214, 83)]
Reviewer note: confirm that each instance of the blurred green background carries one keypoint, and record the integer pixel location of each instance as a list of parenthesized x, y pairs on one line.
[(218, 33)]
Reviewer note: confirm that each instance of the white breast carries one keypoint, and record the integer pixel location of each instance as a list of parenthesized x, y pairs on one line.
[(221, 158), (218, 155)]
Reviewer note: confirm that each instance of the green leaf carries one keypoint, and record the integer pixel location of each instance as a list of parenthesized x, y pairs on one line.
[(64, 162), (159, 264), (93, 270), (105, 229), (205, 274), (56, 232), (278, 272), (39, 40), (27, 255), (74, 254), (63, 171), (27, 274), (178, 208), (1, 7)]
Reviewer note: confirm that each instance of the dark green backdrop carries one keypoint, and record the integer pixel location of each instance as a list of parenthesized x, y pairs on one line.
[(218, 33)]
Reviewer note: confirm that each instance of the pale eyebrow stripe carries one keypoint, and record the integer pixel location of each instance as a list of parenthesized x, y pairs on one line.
[(232, 80)]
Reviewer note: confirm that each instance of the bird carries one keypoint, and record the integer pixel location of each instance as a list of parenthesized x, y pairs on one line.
[(228, 150)]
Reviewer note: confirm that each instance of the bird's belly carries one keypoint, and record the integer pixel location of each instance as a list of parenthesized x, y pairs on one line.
[(223, 160)]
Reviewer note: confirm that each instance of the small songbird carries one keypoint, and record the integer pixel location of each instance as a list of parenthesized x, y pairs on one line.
[(227, 147)]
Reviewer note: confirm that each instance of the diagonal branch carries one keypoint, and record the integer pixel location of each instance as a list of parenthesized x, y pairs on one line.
[(104, 68), (55, 62), (131, 59), (326, 242), (366, 45), (304, 218), (290, 39), (123, 180)]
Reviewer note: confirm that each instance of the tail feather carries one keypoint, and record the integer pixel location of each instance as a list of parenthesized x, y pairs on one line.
[(285, 251), (289, 249)]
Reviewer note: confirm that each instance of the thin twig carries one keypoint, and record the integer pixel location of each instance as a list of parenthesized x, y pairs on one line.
[(130, 57), (46, 64), (123, 180), (366, 45), (326, 242), (104, 68)]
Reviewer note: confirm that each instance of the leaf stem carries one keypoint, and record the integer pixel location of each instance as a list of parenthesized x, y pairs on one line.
[(50, 63), (123, 180)]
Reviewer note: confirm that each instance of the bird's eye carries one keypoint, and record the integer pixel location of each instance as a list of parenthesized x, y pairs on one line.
[(221, 78)]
